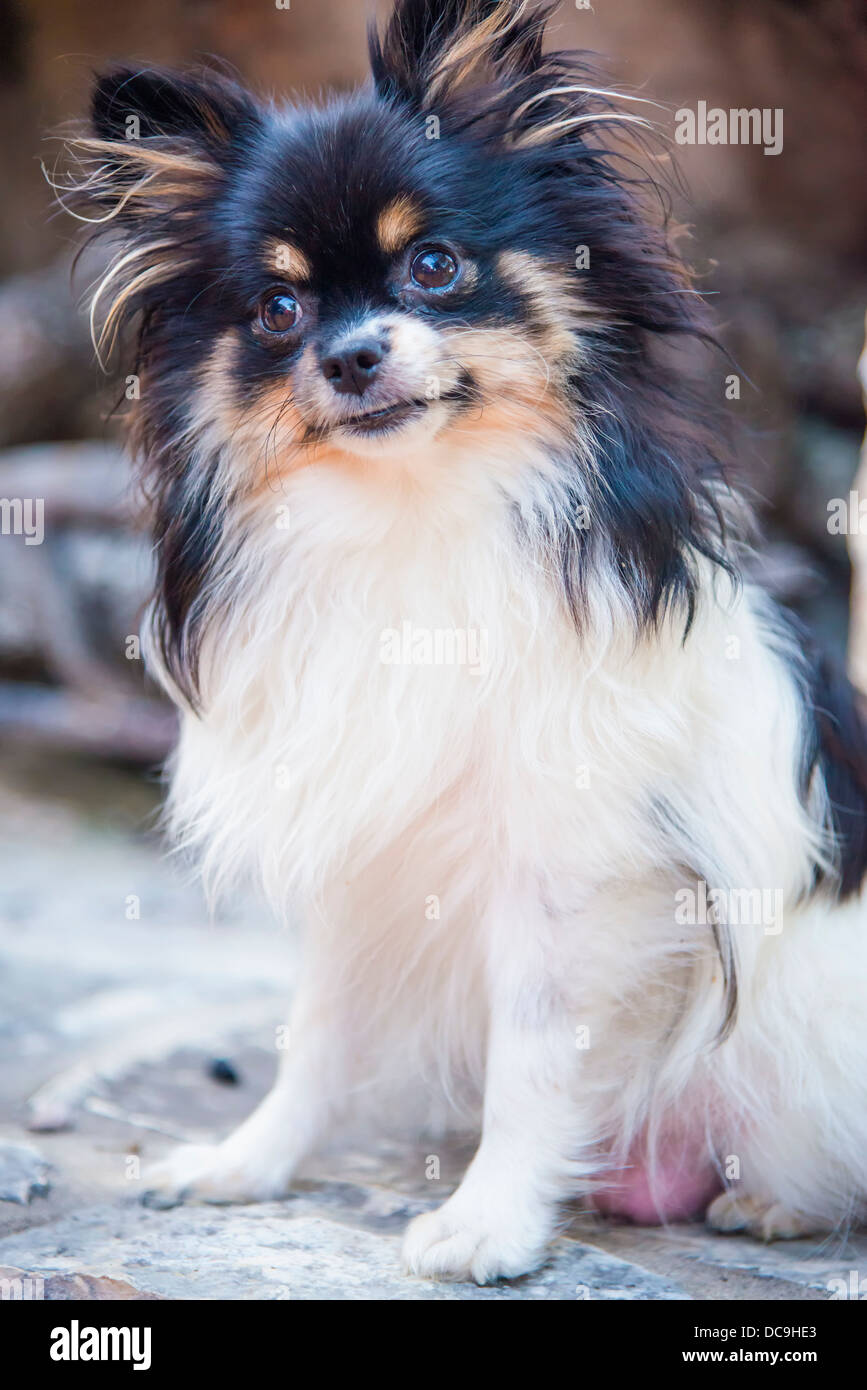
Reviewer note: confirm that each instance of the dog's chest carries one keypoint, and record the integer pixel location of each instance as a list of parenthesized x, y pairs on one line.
[(421, 700)]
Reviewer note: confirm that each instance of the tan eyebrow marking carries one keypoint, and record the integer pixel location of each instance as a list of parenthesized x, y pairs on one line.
[(287, 260), (398, 223)]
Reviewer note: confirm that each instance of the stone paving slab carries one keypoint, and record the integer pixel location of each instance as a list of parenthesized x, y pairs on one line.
[(287, 1251), (712, 1266)]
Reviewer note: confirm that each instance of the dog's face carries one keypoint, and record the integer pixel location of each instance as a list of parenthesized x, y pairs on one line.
[(374, 274), (386, 287), (364, 275)]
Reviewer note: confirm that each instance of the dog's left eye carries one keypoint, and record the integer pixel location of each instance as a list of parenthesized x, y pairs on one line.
[(434, 269), (279, 313)]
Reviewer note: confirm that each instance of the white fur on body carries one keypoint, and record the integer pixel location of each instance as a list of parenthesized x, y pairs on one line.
[(553, 804)]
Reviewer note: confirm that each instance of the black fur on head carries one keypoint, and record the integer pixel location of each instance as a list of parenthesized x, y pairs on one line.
[(488, 144)]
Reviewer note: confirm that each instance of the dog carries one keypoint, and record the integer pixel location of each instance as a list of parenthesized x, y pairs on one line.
[(477, 679)]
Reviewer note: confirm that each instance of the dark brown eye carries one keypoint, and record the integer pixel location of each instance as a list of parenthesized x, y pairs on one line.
[(280, 313), (434, 269)]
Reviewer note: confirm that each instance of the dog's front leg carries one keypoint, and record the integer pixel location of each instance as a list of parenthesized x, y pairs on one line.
[(257, 1162), (499, 1221)]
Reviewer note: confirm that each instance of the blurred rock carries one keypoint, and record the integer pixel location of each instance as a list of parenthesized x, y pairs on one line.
[(71, 674), (23, 1173), (134, 730), (49, 384)]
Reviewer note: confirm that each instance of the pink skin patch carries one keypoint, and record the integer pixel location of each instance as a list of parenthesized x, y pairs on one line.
[(686, 1182)]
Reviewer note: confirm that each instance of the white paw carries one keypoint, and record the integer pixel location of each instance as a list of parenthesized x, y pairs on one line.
[(456, 1243), (218, 1173), (768, 1221)]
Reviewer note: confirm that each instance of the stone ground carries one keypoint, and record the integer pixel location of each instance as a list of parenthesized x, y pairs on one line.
[(117, 998)]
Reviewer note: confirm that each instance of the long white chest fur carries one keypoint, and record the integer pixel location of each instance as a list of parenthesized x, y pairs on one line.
[(399, 682)]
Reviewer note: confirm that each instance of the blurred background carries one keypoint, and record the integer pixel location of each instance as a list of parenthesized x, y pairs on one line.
[(779, 242)]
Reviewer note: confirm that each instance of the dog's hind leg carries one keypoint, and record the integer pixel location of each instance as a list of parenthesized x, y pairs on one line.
[(793, 1075), (768, 1220)]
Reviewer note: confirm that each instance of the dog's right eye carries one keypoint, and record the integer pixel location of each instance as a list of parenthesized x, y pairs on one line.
[(434, 269), (279, 313)]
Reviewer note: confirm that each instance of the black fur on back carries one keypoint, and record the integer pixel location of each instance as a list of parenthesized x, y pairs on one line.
[(837, 747)]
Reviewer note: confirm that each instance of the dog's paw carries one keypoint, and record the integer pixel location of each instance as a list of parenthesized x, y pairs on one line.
[(454, 1243), (732, 1212), (216, 1173)]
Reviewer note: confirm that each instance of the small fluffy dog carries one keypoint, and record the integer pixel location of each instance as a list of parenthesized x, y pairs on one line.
[(475, 681)]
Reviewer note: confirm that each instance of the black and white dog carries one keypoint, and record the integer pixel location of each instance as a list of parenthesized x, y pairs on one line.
[(457, 606)]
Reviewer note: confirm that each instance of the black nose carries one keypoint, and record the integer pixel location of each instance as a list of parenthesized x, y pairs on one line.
[(355, 366)]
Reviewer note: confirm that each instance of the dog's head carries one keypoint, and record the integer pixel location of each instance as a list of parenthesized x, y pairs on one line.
[(452, 256)]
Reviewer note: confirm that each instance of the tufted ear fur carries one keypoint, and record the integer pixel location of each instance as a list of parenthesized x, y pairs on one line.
[(481, 64), (157, 147), (205, 108), (433, 48)]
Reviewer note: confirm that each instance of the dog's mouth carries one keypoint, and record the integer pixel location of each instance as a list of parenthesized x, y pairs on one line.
[(388, 418)]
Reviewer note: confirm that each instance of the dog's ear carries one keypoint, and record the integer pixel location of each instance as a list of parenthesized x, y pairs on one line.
[(158, 146), (158, 140), (440, 55), (207, 110), (433, 48)]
